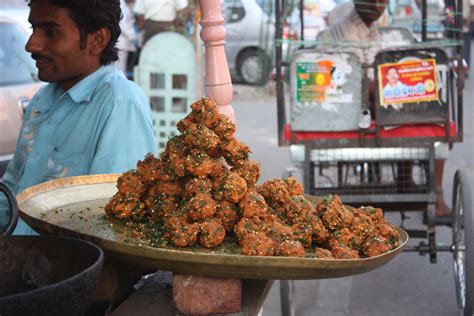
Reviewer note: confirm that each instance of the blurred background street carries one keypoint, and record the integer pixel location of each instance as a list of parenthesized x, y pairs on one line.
[(408, 285)]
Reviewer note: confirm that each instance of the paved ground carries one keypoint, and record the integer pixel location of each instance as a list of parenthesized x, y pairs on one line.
[(409, 285)]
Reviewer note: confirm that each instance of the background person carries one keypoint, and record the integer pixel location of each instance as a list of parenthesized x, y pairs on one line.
[(127, 42), (156, 16), (89, 119)]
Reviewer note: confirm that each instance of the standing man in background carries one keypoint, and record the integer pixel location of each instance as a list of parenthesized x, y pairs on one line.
[(127, 42), (156, 16)]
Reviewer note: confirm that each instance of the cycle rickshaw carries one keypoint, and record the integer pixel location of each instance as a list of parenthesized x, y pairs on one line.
[(409, 132)]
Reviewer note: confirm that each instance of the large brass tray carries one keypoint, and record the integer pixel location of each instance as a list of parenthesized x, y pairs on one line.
[(74, 207)]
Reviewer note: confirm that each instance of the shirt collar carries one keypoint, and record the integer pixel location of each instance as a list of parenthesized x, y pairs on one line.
[(82, 91)]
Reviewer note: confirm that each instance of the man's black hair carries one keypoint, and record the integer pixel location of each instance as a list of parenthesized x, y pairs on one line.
[(92, 15)]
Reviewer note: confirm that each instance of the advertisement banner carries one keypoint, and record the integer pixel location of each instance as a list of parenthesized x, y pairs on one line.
[(322, 81), (408, 82)]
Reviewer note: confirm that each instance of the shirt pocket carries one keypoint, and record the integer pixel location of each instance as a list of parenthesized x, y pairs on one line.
[(63, 164)]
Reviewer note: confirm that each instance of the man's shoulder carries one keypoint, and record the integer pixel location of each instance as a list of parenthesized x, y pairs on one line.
[(341, 29), (115, 86)]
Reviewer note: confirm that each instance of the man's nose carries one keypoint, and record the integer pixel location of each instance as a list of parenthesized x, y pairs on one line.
[(34, 44)]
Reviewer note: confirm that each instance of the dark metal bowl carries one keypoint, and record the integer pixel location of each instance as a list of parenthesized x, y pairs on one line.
[(47, 275)]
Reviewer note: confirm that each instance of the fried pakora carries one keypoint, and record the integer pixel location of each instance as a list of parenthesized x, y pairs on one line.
[(303, 233), (197, 185), (253, 204), (235, 152), (228, 213), (276, 229), (291, 248), (165, 171), (336, 215), (130, 184), (343, 252), (212, 233), (121, 207), (205, 112), (176, 151), (203, 190), (199, 164), (169, 187), (200, 137), (275, 191), (257, 244), (249, 171), (159, 204), (184, 123), (320, 232), (232, 188), (294, 186), (184, 234), (201, 207), (224, 128), (148, 169), (375, 246), (322, 253)]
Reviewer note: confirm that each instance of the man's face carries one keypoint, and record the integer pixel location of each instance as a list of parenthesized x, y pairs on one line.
[(392, 76), (55, 45), (370, 10)]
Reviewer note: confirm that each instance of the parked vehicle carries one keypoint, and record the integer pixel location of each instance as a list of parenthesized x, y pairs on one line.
[(18, 81), (407, 13), (250, 39)]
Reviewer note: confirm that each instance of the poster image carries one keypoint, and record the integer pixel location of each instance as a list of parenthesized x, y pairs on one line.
[(322, 81), (408, 82)]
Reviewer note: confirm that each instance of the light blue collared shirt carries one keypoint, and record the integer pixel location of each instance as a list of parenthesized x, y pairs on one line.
[(102, 124)]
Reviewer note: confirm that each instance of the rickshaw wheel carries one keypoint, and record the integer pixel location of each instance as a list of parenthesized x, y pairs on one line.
[(463, 243)]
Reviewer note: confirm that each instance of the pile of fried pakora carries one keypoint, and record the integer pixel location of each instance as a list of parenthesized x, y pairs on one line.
[(203, 187)]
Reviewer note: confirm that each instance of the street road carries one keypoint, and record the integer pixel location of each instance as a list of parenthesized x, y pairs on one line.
[(408, 285)]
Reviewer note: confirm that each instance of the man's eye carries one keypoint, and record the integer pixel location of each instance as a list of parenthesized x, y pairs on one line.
[(51, 32)]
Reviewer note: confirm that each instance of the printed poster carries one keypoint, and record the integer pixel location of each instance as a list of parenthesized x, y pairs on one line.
[(322, 81), (408, 82)]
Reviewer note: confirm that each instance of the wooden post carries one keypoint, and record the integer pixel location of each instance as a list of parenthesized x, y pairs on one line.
[(218, 83), (198, 294)]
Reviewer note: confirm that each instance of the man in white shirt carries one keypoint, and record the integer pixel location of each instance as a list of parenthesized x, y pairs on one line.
[(358, 28), (157, 16)]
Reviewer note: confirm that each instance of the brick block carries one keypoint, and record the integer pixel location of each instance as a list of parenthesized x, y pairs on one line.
[(198, 295)]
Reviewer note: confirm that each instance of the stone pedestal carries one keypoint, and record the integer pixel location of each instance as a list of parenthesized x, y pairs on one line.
[(194, 294)]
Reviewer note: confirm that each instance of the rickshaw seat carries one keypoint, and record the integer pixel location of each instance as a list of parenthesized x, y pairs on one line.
[(404, 131)]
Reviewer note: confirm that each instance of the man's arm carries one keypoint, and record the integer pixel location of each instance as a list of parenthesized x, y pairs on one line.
[(126, 138)]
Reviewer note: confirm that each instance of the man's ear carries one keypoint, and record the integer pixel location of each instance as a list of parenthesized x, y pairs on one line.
[(99, 40)]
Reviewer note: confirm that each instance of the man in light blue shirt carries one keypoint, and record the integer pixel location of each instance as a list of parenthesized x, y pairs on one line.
[(90, 119)]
